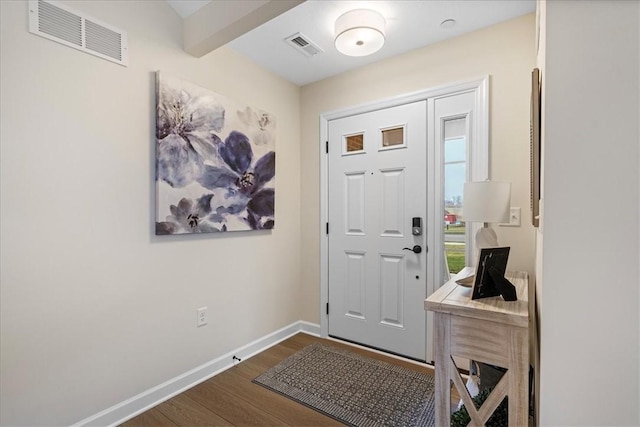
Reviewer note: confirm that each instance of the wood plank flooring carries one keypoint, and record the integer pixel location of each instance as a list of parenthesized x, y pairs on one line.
[(231, 399)]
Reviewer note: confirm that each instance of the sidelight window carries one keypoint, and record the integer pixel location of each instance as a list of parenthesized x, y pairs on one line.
[(455, 174)]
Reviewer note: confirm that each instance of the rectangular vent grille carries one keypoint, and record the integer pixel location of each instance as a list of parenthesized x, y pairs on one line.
[(60, 23), (300, 41), (103, 40), (302, 44)]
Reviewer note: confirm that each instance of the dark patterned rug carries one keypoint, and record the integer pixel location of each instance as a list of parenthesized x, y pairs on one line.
[(354, 389)]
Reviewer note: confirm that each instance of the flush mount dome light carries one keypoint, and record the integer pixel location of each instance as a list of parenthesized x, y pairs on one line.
[(359, 32)]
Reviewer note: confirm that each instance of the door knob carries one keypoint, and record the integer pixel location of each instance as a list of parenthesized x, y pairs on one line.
[(416, 249)]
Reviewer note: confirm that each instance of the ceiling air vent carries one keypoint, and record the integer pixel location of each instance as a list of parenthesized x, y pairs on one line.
[(62, 24), (302, 44)]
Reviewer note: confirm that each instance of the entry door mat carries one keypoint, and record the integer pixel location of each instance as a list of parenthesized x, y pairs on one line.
[(354, 389)]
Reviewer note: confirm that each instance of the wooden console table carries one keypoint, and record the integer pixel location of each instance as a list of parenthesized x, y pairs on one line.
[(488, 330)]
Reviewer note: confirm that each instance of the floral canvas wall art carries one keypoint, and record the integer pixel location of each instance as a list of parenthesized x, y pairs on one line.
[(215, 162)]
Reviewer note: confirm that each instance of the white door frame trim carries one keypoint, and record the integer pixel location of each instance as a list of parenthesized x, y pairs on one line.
[(480, 171)]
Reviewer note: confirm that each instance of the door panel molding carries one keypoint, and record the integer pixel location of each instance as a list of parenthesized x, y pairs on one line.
[(393, 219), (479, 131), (356, 283), (354, 203), (392, 284)]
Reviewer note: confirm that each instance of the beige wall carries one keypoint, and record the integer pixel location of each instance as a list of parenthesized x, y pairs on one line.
[(89, 295), (505, 52), (589, 295), (94, 308)]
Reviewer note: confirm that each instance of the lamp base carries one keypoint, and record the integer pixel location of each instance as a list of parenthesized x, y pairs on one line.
[(486, 238)]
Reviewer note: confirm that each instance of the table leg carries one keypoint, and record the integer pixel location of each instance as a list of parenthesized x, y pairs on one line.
[(442, 357), (519, 380)]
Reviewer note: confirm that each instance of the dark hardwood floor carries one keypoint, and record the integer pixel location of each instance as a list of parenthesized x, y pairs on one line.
[(231, 399)]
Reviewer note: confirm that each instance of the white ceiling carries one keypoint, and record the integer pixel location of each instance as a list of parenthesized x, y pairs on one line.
[(186, 8), (409, 25)]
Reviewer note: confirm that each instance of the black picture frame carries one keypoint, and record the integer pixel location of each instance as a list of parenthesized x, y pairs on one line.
[(489, 258)]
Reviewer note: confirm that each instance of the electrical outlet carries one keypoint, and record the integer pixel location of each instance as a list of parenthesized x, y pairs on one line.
[(514, 218), (202, 316)]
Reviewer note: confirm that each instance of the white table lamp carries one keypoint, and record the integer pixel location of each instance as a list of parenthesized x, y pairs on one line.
[(486, 202)]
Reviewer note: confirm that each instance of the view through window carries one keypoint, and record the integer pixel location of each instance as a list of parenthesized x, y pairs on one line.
[(455, 174)]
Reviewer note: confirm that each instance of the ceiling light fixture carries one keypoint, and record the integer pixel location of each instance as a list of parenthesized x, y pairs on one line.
[(359, 32)]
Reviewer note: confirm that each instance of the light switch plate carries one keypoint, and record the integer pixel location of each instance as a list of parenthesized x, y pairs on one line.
[(202, 317), (514, 218)]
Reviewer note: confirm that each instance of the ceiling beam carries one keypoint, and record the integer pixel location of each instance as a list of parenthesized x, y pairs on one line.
[(222, 21)]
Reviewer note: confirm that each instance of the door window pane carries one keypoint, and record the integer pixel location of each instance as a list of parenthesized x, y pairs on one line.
[(355, 142), (455, 174), (391, 137), (455, 150)]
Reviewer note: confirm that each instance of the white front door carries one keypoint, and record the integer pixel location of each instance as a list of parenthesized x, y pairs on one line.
[(376, 187)]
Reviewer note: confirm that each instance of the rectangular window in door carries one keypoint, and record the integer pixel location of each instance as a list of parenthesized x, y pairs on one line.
[(455, 173)]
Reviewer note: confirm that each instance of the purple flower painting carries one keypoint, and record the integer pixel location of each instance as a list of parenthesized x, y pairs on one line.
[(215, 162)]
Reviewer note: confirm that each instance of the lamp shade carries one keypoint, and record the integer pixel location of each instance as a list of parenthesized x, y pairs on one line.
[(487, 201), (359, 32)]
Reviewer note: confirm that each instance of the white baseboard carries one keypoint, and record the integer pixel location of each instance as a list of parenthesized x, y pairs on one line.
[(146, 400)]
